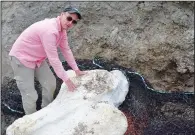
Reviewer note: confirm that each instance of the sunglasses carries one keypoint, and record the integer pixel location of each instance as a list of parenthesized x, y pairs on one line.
[(69, 18)]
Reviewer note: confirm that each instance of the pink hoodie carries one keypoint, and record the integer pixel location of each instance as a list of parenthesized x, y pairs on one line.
[(40, 41)]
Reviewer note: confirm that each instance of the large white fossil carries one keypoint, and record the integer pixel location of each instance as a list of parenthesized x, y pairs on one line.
[(90, 110)]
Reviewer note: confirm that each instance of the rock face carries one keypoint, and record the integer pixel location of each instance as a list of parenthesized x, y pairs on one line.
[(90, 110), (154, 38)]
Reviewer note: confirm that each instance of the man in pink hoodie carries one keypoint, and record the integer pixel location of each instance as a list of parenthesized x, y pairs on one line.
[(36, 43)]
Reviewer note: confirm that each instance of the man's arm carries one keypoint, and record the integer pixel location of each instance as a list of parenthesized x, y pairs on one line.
[(67, 53), (49, 43)]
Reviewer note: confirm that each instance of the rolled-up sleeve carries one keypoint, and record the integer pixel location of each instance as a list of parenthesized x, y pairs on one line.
[(49, 43), (67, 53)]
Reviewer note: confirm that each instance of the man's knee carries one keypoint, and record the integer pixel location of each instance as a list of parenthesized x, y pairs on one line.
[(50, 84), (27, 91)]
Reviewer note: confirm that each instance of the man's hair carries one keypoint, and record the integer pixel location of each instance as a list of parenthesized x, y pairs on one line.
[(73, 10)]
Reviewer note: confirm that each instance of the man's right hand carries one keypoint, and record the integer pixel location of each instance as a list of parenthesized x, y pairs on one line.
[(70, 85)]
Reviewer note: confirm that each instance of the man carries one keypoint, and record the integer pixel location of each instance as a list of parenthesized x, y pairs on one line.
[(36, 43)]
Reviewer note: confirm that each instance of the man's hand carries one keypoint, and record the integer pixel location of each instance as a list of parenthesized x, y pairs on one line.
[(70, 85), (79, 72)]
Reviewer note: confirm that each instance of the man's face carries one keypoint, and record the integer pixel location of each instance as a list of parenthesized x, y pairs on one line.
[(67, 20)]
